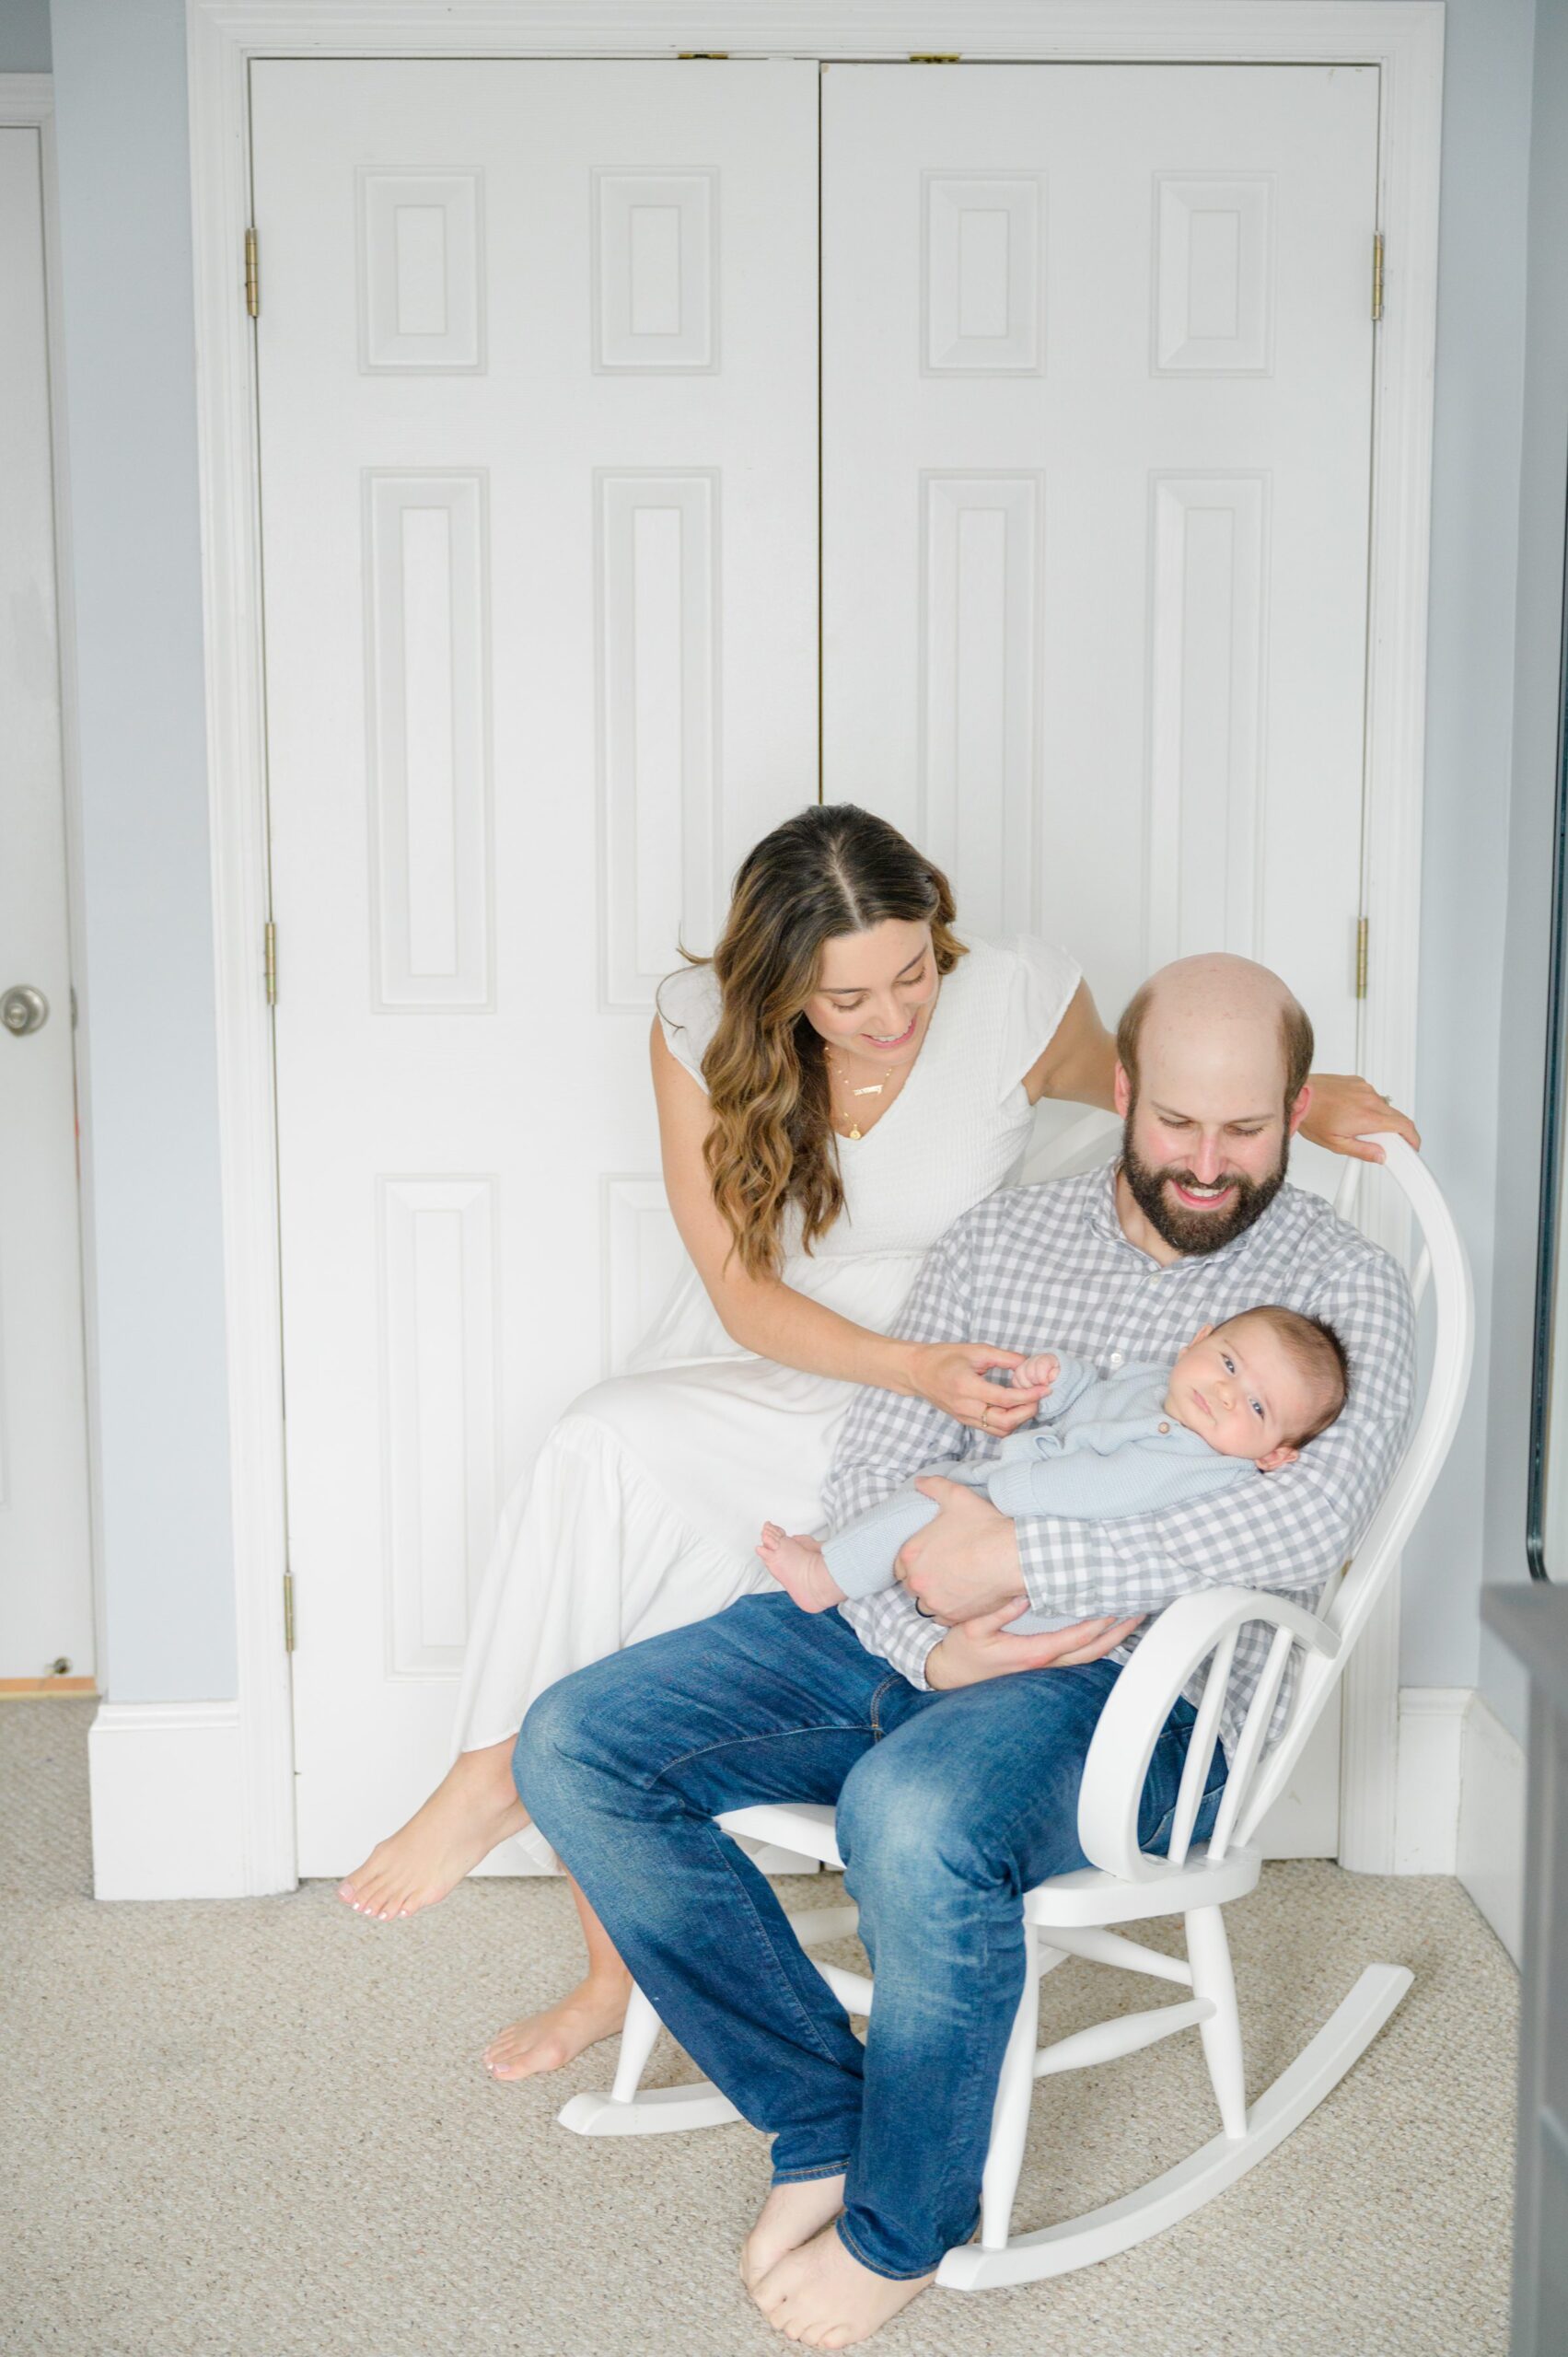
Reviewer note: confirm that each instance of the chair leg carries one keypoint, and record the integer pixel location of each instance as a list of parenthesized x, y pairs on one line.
[(637, 2040), (1208, 1952), (1010, 2116)]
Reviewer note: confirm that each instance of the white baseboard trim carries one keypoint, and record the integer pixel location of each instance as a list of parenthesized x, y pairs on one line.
[(1459, 1801), (168, 1808), (1427, 1780), (1491, 1823)]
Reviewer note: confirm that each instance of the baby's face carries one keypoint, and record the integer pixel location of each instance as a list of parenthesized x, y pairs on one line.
[(1239, 1388)]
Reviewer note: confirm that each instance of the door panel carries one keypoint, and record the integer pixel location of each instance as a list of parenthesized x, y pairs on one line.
[(537, 390), (1096, 364)]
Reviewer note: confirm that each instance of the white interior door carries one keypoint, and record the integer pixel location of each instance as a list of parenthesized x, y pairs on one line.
[(45, 1572), (538, 392), (1096, 355)]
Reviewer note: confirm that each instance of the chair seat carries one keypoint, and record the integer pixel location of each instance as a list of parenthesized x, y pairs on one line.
[(1090, 1896), (1084, 1897), (806, 1826)]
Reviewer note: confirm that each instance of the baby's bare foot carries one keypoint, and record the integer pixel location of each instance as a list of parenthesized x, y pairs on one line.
[(790, 2216), (473, 1808), (548, 2041), (797, 1565), (819, 2295)]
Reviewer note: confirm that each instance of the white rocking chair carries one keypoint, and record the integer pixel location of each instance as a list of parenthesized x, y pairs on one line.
[(1073, 1914)]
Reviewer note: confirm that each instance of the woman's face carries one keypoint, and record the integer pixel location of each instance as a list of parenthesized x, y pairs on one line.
[(876, 992)]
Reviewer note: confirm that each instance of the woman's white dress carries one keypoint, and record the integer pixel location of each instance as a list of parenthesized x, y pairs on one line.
[(642, 1508)]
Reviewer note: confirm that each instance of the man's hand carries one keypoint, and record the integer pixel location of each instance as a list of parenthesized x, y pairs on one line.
[(967, 1561), (979, 1649)]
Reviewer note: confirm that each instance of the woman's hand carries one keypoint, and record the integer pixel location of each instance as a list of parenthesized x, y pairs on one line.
[(1345, 1109), (979, 1649), (951, 1375)]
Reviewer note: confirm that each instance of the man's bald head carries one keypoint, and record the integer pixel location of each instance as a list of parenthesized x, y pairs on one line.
[(1213, 1054), (1230, 1004)]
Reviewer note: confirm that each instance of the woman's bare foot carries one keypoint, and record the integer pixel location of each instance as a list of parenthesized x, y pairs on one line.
[(799, 1567), (819, 2295), (546, 2041), (474, 1806), (790, 2216)]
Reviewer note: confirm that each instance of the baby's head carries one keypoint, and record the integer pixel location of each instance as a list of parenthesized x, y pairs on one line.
[(1261, 1385)]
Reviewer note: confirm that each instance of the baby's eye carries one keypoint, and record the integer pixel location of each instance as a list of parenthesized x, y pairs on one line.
[(1257, 1407), (1228, 1363)]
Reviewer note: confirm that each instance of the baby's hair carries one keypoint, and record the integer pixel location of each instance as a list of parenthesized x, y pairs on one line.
[(1321, 1355)]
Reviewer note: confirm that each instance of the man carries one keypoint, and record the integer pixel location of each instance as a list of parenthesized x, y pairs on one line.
[(956, 1779)]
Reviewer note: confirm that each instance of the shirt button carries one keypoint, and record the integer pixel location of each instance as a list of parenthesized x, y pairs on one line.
[(1164, 1428), (1115, 1359)]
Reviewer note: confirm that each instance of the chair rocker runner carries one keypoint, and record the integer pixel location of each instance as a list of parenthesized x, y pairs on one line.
[(1076, 1914)]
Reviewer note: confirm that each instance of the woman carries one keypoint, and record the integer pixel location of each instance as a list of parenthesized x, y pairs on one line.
[(835, 1087)]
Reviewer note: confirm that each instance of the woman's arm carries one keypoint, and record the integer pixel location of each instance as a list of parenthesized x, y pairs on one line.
[(1079, 1064), (764, 1315)]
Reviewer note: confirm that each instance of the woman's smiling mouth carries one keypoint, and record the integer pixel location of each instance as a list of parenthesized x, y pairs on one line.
[(898, 1041)]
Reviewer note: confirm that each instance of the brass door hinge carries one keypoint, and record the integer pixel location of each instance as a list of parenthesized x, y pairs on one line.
[(1377, 275), (688, 55), (1363, 927), (935, 57), (270, 961), (253, 276), (288, 1612)]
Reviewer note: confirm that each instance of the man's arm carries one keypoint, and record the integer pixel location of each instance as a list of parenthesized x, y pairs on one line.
[(1289, 1531)]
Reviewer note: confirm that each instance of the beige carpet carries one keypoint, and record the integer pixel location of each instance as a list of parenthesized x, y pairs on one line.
[(261, 2126)]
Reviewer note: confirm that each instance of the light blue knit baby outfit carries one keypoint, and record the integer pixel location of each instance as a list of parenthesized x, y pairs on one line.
[(1099, 1446)]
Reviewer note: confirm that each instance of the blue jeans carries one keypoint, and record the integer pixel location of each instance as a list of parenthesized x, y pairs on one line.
[(950, 1808)]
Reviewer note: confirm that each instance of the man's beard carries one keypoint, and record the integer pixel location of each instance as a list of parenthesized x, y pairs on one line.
[(1184, 1229)]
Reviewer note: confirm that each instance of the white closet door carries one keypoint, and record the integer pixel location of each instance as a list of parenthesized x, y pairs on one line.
[(1097, 348), (45, 1577), (537, 383)]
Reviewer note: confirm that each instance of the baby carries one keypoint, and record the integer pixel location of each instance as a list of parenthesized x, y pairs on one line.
[(1244, 1398)]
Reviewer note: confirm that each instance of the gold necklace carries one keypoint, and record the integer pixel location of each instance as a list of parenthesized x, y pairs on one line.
[(873, 1089)]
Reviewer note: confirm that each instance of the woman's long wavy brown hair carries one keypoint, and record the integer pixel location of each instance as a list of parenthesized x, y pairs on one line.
[(833, 869)]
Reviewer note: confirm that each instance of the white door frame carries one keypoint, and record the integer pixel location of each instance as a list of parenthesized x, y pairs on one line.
[(1403, 38)]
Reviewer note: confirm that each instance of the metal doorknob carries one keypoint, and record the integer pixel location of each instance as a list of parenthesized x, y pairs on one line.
[(23, 1009)]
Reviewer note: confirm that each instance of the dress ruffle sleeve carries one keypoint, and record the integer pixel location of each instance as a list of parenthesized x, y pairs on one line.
[(1045, 979), (687, 1003)]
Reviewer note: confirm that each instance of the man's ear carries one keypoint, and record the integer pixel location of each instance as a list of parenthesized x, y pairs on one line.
[(1277, 1457), (1299, 1111), (1123, 1091)]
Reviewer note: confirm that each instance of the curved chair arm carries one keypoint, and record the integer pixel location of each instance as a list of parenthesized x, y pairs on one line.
[(1182, 1637)]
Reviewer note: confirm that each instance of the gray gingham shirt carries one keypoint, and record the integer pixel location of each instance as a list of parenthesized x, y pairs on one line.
[(1049, 1266)]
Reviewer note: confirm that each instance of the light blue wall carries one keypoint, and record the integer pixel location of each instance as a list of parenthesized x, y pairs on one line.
[(24, 36), (1475, 529), (146, 960), (1537, 650), (125, 227)]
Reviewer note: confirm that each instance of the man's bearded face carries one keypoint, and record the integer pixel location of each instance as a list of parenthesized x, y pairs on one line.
[(1239, 1198)]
